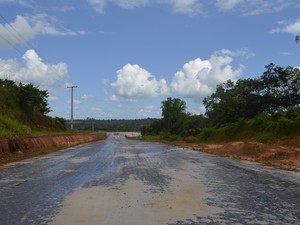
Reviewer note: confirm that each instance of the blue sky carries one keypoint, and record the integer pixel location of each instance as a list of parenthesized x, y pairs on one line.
[(126, 56)]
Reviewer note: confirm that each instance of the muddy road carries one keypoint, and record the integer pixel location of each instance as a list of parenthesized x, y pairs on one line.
[(126, 182)]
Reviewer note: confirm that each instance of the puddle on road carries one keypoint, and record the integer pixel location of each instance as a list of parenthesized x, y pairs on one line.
[(135, 203), (133, 155), (78, 159), (69, 171)]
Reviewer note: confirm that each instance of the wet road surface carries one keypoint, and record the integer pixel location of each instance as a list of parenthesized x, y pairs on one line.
[(120, 181)]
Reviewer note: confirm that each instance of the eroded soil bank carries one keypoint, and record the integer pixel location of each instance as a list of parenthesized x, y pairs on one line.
[(14, 149), (285, 157)]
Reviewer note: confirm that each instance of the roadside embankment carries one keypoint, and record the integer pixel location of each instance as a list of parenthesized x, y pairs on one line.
[(14, 149), (284, 157)]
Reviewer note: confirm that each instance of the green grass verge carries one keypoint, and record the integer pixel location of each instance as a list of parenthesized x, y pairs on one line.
[(10, 127)]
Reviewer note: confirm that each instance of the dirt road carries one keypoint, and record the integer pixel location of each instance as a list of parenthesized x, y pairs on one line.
[(120, 181)]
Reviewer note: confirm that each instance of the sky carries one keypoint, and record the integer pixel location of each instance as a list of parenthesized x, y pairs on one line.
[(127, 56)]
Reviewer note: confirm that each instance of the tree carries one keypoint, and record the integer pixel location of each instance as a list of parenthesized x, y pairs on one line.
[(173, 113), (280, 87), (232, 101), (277, 89), (33, 98)]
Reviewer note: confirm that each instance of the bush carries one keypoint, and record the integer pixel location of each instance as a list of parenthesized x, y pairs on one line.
[(166, 136), (293, 113), (206, 134)]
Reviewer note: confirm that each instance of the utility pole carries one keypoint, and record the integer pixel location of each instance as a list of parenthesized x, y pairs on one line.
[(297, 39), (72, 122)]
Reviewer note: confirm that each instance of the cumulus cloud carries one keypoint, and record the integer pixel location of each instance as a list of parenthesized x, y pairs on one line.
[(26, 28), (134, 82), (291, 27), (32, 70), (198, 78)]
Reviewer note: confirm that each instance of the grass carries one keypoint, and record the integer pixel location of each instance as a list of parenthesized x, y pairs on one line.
[(164, 136), (264, 128), (261, 129), (10, 127)]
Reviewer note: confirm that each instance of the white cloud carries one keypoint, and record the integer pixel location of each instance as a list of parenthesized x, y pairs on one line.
[(241, 52), (288, 27), (130, 4), (287, 53), (25, 3), (134, 82), (26, 28), (193, 7), (33, 70), (113, 98), (87, 97), (96, 109), (255, 7), (189, 7), (75, 102), (98, 5), (105, 81), (228, 4), (149, 111), (198, 78), (52, 98), (67, 85)]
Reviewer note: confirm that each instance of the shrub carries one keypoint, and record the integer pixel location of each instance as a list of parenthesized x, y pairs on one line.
[(166, 136)]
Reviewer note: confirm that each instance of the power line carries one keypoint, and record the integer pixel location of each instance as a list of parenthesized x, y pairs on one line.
[(16, 34), (7, 73), (10, 43)]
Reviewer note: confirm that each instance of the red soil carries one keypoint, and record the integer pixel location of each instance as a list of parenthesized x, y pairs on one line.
[(285, 157)]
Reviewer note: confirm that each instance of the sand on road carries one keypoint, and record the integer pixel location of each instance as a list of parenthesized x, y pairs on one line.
[(135, 202)]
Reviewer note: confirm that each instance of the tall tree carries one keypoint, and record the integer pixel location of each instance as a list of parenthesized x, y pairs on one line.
[(173, 113), (232, 101), (280, 87)]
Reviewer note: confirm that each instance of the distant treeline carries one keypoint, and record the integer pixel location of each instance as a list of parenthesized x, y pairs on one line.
[(111, 125)]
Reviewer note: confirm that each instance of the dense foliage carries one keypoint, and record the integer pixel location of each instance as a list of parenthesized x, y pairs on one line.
[(277, 89), (271, 101), (23, 109), (27, 96)]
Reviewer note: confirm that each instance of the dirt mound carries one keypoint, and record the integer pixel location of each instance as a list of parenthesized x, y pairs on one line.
[(13, 149), (285, 157)]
